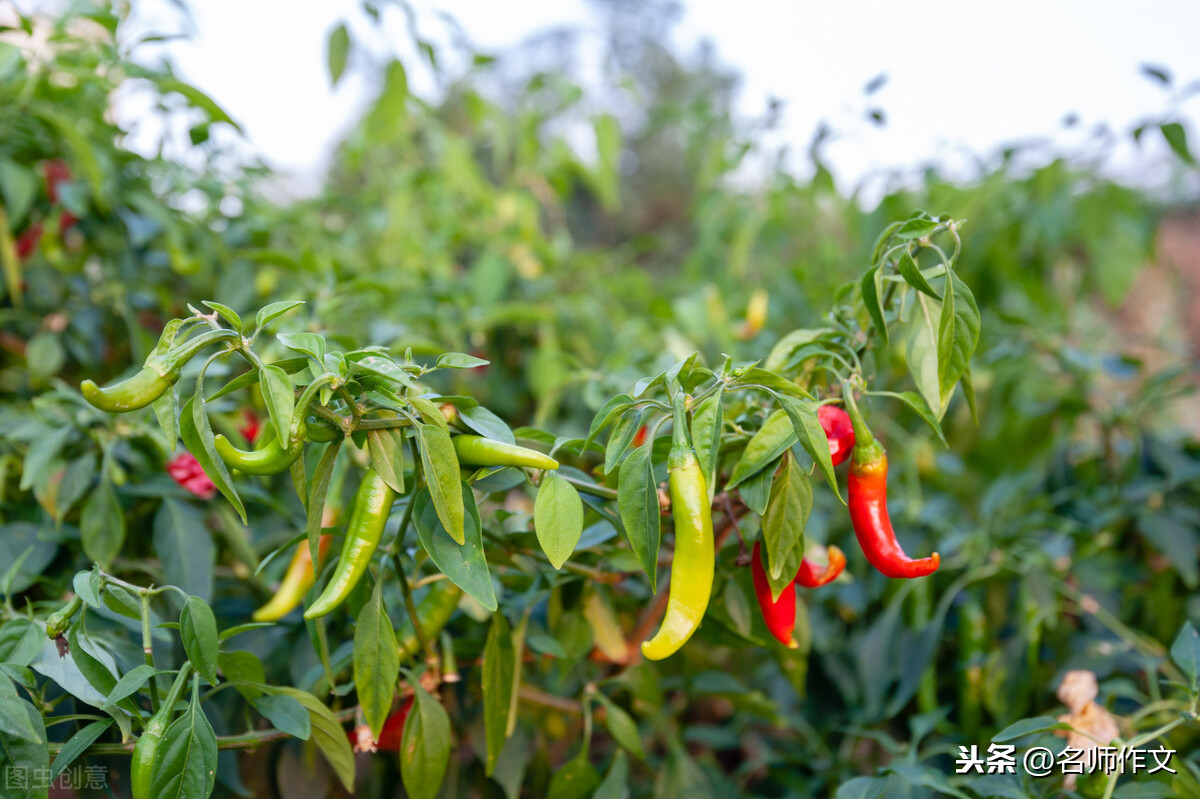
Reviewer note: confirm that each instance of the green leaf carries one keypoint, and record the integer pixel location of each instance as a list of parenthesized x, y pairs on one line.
[(185, 764), (921, 346), (18, 189), (707, 423), (916, 228), (459, 360), (756, 492), (913, 276), (616, 781), (166, 410), (76, 745), (775, 437), (557, 518), (14, 721), (577, 779), (958, 334), (387, 456), (464, 564), (280, 399), (102, 525), (440, 464), (605, 416), (622, 727), (286, 714), (622, 436), (1186, 653), (431, 413), (274, 311), (608, 150), (776, 384), (1176, 137), (197, 436), (497, 687), (424, 745), (185, 547), (310, 344), (870, 295), (1030, 726), (197, 99), (968, 386), (807, 425), (486, 424), (784, 522), (198, 630), (376, 661), (34, 756), (226, 313), (327, 733), (637, 500), (918, 404), (317, 490), (129, 684), (339, 52), (784, 351)]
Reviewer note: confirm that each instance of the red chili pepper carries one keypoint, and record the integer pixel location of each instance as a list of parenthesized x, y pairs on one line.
[(809, 577), (639, 437), (251, 426), (55, 172), (389, 736), (27, 242), (780, 615), (186, 470), (839, 430), (867, 490)]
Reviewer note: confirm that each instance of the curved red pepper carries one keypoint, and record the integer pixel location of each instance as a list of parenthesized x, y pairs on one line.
[(839, 430), (872, 525), (809, 577), (780, 615)]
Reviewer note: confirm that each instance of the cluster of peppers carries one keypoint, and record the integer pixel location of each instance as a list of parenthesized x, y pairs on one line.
[(694, 557), (373, 502), (693, 566)]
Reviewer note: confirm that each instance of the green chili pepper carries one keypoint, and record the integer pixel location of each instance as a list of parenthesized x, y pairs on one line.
[(271, 458), (695, 557), (160, 372), (58, 621), (434, 610), (480, 451), (371, 506), (141, 769)]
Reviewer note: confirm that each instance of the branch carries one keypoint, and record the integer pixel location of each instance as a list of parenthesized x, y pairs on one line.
[(248, 740)]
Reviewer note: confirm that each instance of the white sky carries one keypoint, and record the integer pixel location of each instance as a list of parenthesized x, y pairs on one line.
[(963, 76)]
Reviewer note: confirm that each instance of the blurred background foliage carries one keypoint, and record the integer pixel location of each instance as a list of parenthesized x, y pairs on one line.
[(580, 235)]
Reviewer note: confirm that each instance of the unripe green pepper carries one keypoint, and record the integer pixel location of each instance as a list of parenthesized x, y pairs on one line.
[(271, 458), (695, 556), (371, 506), (58, 621), (480, 451), (160, 372), (141, 769)]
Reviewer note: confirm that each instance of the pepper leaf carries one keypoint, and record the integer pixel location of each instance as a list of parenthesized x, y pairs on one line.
[(198, 629), (707, 422), (557, 518), (185, 763), (637, 500), (424, 745), (783, 524), (465, 565), (440, 464), (376, 661), (497, 687)]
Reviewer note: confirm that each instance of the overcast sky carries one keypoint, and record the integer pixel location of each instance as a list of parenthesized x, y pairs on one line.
[(962, 76)]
